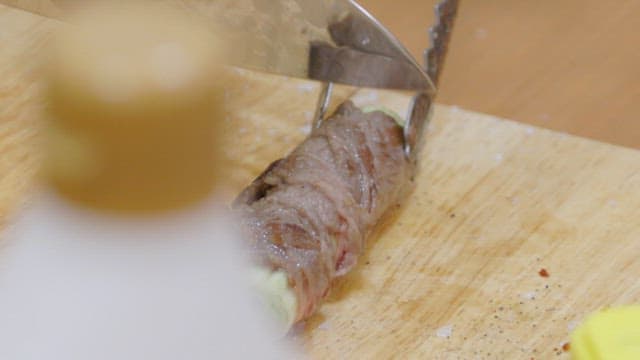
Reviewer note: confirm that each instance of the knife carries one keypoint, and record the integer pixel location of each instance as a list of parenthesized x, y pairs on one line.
[(332, 41)]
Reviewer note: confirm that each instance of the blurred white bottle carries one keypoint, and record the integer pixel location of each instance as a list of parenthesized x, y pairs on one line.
[(124, 252)]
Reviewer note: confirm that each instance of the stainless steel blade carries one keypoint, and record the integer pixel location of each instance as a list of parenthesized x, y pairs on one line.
[(327, 40)]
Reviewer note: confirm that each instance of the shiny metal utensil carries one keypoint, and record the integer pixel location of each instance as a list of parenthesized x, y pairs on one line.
[(333, 41), (420, 110), (326, 40), (368, 51), (338, 41)]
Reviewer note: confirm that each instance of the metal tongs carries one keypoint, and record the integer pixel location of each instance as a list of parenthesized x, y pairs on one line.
[(338, 41), (333, 41), (369, 55)]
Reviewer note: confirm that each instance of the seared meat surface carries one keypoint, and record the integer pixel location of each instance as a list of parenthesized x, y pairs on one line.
[(310, 213)]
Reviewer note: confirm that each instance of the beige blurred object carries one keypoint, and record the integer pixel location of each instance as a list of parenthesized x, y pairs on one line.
[(133, 105)]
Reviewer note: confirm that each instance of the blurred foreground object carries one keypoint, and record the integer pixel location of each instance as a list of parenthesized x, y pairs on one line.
[(126, 252), (133, 108), (612, 334)]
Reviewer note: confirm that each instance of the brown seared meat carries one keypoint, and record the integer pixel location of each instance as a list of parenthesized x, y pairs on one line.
[(310, 213)]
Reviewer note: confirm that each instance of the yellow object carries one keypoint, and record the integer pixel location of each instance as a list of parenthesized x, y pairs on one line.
[(133, 107), (279, 297), (612, 334)]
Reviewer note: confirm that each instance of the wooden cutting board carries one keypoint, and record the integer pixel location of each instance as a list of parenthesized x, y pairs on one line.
[(455, 273)]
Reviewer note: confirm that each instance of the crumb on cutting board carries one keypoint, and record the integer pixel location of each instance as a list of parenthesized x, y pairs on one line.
[(445, 331), (543, 273)]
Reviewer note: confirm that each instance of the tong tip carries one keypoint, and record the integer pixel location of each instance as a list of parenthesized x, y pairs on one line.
[(440, 35)]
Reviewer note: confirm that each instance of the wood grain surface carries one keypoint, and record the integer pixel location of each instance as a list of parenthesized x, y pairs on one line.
[(22, 36), (455, 272)]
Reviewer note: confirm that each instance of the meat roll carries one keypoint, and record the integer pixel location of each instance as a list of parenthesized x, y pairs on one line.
[(308, 215)]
